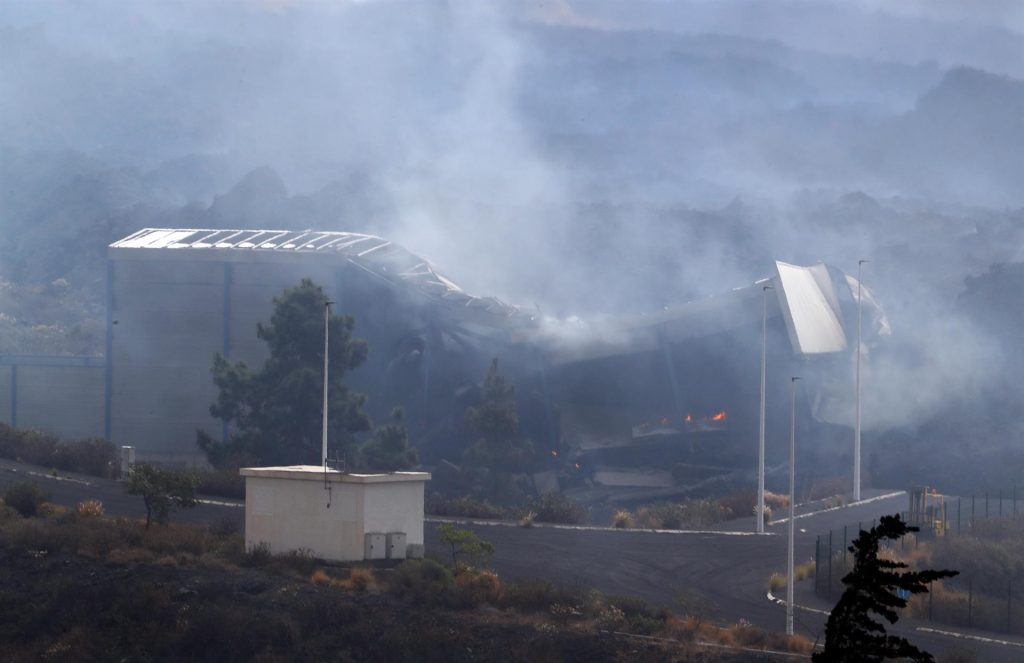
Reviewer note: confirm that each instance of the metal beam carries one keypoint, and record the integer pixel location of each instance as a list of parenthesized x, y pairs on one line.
[(14, 396), (52, 360), (108, 378)]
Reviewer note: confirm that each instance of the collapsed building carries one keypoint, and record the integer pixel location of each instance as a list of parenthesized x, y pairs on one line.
[(621, 402)]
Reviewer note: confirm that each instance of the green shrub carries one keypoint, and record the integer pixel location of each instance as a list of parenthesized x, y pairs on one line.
[(91, 456), (221, 483), (557, 508), (540, 595), (424, 580), (25, 498), (465, 544), (678, 515), (462, 507), (258, 554), (162, 490)]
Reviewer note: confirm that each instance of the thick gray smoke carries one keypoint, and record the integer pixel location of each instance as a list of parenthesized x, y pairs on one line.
[(582, 157)]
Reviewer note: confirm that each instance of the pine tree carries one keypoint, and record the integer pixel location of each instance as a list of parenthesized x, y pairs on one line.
[(495, 423), (276, 412), (389, 449), (852, 635)]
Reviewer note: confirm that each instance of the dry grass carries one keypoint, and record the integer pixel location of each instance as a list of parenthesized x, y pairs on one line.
[(478, 586), (775, 500), (623, 519), (89, 509), (742, 634), (360, 579), (129, 556), (804, 571), (776, 581), (527, 519), (48, 510)]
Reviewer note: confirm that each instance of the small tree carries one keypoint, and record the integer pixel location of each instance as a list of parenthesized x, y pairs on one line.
[(851, 634), (27, 498), (496, 425), (275, 412), (465, 543), (162, 491), (389, 449)]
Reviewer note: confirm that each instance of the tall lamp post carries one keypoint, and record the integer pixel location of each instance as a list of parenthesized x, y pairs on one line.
[(856, 424), (792, 503), (760, 445), (323, 438)]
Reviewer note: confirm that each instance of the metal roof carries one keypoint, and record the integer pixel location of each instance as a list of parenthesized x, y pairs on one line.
[(376, 255)]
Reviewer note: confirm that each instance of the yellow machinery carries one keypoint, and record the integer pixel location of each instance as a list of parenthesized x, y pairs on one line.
[(927, 510)]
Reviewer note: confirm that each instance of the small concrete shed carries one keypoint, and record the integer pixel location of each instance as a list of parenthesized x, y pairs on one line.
[(335, 515)]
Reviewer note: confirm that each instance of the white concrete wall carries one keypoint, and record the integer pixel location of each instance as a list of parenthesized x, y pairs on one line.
[(289, 515), (292, 514), (395, 507)]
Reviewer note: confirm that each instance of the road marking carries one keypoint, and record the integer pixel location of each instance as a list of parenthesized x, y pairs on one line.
[(922, 629), (967, 636), (220, 503), (52, 477), (887, 496), (586, 528), (776, 599)]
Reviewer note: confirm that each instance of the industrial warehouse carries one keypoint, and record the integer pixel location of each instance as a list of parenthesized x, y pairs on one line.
[(682, 406)]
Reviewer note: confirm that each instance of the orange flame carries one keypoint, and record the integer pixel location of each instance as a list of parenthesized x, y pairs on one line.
[(689, 418), (554, 454), (719, 416)]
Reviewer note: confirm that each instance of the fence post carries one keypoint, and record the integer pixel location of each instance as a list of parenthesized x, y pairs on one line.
[(930, 595), (817, 566), (845, 544), (830, 562), (970, 604)]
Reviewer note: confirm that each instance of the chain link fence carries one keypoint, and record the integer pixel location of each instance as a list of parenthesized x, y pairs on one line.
[(991, 600)]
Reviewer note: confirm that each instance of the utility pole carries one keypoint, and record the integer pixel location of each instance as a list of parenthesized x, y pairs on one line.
[(323, 439), (792, 505), (760, 446), (856, 425)]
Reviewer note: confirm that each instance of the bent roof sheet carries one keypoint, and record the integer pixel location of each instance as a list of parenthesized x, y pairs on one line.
[(374, 254), (811, 308)]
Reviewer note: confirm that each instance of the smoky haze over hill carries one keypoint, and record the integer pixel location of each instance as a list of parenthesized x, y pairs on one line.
[(579, 156)]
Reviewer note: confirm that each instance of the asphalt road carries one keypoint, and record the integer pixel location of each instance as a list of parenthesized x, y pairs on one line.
[(729, 568)]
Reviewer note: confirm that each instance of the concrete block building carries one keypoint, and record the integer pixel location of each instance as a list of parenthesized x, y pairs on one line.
[(335, 515)]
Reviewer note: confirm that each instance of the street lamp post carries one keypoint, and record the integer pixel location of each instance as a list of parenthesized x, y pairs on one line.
[(760, 445), (856, 424), (323, 438), (792, 504)]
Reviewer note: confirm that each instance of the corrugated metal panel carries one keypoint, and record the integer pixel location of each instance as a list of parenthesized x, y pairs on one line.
[(811, 309), (375, 254)]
